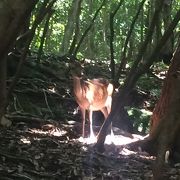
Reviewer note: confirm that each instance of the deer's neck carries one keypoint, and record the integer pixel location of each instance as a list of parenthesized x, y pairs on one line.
[(78, 86)]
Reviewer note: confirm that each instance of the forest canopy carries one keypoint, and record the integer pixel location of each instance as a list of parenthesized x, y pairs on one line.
[(96, 43)]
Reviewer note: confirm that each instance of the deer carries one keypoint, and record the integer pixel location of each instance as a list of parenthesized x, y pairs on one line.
[(92, 95)]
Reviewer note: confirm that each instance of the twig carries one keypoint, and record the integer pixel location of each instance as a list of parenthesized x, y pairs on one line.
[(17, 103), (47, 102), (15, 157)]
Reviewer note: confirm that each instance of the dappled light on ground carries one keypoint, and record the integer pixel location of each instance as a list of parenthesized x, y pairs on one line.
[(116, 144), (53, 131), (113, 139), (54, 151)]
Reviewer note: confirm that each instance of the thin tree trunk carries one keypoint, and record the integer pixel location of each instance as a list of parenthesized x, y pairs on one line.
[(167, 51), (76, 33), (87, 30), (46, 26), (123, 57), (70, 26), (90, 53), (105, 27), (111, 20), (3, 92), (23, 36), (48, 44)]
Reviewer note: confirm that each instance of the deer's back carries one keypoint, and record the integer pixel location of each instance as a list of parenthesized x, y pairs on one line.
[(91, 94)]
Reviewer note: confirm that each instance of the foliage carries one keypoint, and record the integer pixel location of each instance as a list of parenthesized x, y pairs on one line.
[(140, 118), (101, 32)]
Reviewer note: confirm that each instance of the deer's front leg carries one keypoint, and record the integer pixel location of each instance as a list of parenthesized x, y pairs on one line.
[(92, 136), (83, 114)]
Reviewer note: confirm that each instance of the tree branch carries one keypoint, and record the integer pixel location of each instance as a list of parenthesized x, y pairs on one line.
[(133, 75), (123, 58), (87, 30)]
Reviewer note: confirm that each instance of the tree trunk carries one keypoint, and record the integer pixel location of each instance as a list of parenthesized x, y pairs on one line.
[(167, 51), (46, 26), (124, 52), (70, 26), (44, 9), (21, 10), (165, 122), (77, 29), (90, 53), (111, 25), (167, 93), (88, 29), (23, 36), (49, 46), (105, 33)]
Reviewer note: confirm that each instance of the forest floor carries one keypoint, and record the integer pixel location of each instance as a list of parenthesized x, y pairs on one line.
[(43, 141), (51, 152)]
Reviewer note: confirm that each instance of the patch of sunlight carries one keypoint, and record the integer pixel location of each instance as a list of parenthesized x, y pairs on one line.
[(52, 89), (88, 140), (84, 148), (127, 152), (25, 140), (53, 132), (112, 139), (75, 111), (146, 112)]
